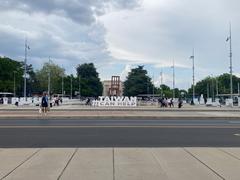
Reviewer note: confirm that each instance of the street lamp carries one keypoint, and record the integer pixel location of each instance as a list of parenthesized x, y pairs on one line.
[(212, 89), (49, 78), (208, 90), (238, 89), (79, 87), (62, 85), (71, 86), (161, 74), (153, 87)]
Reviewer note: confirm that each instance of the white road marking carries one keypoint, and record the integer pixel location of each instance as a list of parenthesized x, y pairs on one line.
[(237, 135), (120, 126)]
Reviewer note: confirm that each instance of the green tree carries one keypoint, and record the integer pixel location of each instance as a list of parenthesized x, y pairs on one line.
[(75, 85), (202, 87), (165, 87), (224, 83), (183, 93), (91, 85), (56, 74), (165, 90), (209, 85), (138, 82), (168, 92), (177, 92), (8, 68), (33, 84)]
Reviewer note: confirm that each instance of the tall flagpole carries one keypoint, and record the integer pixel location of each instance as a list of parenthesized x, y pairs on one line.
[(173, 79), (153, 87), (25, 71), (62, 84), (193, 77), (231, 71), (161, 74), (49, 78)]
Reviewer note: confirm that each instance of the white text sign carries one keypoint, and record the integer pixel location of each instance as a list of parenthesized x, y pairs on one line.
[(115, 101)]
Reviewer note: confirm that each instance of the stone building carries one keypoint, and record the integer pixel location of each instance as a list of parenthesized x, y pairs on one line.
[(113, 87)]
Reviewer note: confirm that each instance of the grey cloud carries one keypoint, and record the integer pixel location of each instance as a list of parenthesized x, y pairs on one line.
[(66, 30), (81, 11), (126, 4), (11, 39), (67, 45), (157, 34)]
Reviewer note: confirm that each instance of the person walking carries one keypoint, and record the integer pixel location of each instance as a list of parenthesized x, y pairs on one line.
[(180, 103), (171, 104), (44, 103)]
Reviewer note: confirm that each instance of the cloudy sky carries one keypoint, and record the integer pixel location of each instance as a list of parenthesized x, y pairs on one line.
[(118, 35)]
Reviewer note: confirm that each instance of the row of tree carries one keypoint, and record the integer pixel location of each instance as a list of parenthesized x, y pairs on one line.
[(212, 86), (138, 82), (86, 81)]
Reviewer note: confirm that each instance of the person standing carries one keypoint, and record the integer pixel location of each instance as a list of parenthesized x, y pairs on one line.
[(44, 103)]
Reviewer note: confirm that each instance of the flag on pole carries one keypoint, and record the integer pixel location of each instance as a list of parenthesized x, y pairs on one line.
[(191, 57), (228, 38), (27, 47)]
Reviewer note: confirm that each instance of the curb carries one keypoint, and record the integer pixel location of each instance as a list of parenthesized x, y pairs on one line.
[(132, 109), (121, 118)]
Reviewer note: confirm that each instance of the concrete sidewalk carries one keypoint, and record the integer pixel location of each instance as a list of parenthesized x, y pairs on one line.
[(113, 114), (138, 108), (120, 164), (142, 112)]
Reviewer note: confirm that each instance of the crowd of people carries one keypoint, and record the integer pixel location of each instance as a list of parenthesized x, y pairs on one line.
[(165, 102), (46, 103)]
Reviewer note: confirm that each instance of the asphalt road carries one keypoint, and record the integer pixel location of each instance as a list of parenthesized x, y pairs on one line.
[(119, 133)]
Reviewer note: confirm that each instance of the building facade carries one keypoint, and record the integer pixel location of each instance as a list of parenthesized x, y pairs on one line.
[(113, 87)]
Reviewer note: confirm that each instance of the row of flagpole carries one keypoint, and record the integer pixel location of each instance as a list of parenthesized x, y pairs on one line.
[(27, 48), (192, 57)]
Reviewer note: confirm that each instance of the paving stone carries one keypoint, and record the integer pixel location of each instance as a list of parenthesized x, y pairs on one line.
[(12, 158), (90, 164), (225, 165), (179, 165), (137, 164), (233, 151), (45, 165)]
